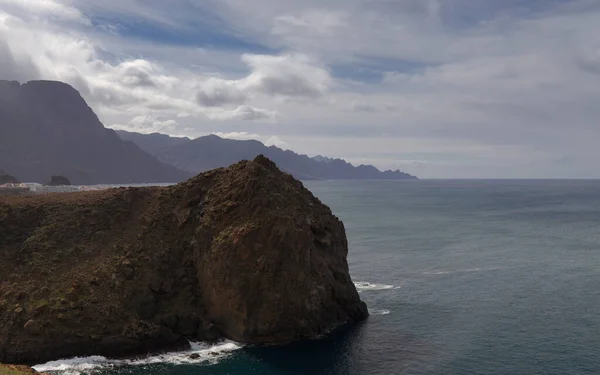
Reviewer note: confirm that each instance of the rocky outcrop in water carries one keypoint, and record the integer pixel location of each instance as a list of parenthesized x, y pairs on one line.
[(245, 253)]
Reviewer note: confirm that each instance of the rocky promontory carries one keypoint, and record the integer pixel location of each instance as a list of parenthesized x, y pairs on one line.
[(244, 253)]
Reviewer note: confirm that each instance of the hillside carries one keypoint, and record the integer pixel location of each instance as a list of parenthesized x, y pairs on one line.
[(208, 152), (46, 128)]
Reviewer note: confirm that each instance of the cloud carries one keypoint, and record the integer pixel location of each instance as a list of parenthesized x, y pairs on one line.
[(217, 92), (11, 69), (44, 8), (242, 136), (316, 22), (246, 113), (467, 82), (147, 124), (362, 106), (276, 141), (289, 76)]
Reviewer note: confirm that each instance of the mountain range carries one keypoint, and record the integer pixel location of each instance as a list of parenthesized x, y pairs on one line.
[(209, 152), (47, 128)]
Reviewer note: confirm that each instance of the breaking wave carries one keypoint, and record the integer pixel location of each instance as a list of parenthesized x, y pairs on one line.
[(379, 312), (198, 353), (364, 286)]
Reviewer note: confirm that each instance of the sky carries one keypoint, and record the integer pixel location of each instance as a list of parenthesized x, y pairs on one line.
[(435, 88)]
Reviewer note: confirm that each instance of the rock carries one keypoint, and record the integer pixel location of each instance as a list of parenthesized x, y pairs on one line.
[(32, 327), (58, 181), (17, 370), (264, 263), (194, 356)]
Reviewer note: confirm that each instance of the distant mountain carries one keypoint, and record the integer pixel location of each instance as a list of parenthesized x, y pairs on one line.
[(46, 129), (7, 179), (209, 152)]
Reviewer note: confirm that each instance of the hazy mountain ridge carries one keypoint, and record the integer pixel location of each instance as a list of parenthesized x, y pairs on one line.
[(47, 128), (209, 152)]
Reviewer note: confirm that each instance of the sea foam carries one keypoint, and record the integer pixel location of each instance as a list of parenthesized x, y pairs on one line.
[(364, 286), (379, 312), (202, 353)]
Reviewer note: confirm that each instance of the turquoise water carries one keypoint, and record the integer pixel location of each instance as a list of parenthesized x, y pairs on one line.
[(461, 277)]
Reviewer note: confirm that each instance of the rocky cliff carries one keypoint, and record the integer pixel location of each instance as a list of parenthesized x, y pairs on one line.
[(245, 253)]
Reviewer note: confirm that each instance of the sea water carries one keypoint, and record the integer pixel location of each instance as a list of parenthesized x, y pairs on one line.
[(461, 277)]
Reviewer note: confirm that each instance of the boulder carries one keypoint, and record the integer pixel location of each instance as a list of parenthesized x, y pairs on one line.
[(244, 253)]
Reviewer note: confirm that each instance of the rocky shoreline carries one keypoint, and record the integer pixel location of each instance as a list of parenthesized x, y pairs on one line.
[(244, 253), (17, 370)]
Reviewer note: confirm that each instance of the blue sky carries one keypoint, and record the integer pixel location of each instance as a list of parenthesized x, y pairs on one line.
[(437, 88)]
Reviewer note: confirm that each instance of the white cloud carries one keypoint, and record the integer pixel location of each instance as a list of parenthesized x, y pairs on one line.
[(276, 141), (44, 8), (244, 136), (289, 76), (314, 22), (217, 92), (241, 136), (244, 112), (147, 124)]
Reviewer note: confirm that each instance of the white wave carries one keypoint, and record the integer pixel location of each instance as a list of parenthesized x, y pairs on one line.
[(364, 285), (447, 272), (198, 353), (379, 312)]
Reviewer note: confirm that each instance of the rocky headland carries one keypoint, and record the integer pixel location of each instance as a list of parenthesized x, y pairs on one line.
[(244, 253)]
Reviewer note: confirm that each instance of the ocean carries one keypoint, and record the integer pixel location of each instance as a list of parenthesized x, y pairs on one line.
[(461, 277)]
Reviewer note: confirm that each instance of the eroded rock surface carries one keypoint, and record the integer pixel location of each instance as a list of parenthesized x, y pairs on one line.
[(245, 253)]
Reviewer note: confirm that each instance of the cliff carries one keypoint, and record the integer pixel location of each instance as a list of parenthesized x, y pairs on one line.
[(205, 153), (244, 253), (46, 128)]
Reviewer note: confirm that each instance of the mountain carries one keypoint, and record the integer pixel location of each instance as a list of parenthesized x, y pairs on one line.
[(7, 179), (209, 152), (46, 128)]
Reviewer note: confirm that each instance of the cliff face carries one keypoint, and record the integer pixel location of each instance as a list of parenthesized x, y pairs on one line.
[(245, 253), (47, 128)]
